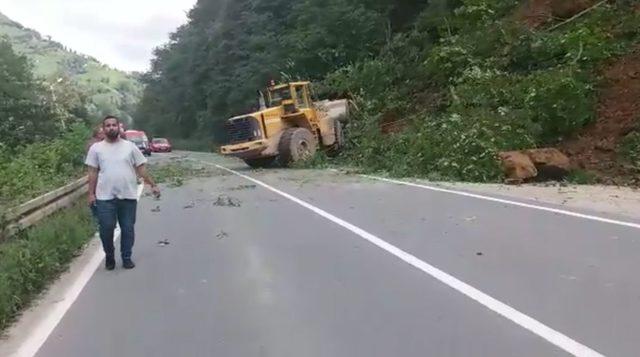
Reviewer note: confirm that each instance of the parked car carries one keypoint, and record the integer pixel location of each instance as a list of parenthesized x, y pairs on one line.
[(160, 145), (139, 138)]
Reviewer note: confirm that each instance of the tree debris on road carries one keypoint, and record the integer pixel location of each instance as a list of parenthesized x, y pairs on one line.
[(190, 205), (226, 201), (243, 187), (222, 235)]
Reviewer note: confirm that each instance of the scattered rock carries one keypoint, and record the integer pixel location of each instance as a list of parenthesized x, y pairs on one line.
[(222, 235), (163, 243)]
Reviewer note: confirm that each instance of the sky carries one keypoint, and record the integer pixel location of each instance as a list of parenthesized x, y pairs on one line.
[(119, 33)]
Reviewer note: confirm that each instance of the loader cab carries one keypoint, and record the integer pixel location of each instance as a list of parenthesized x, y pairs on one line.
[(293, 97)]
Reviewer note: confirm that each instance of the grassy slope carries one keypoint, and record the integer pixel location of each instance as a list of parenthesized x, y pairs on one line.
[(106, 86)]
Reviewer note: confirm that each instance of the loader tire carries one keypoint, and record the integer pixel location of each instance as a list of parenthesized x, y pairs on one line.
[(337, 146), (296, 144), (261, 162)]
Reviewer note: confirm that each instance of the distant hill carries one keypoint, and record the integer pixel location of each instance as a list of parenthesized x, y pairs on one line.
[(109, 91)]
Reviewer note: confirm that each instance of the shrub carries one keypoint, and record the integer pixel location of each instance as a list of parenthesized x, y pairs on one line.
[(630, 149), (43, 166), (29, 261)]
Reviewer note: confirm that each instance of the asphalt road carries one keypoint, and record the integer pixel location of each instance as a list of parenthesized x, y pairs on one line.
[(267, 276)]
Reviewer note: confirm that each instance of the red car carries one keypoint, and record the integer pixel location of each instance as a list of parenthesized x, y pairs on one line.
[(160, 145), (139, 138)]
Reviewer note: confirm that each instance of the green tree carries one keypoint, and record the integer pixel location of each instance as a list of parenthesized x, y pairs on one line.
[(25, 110)]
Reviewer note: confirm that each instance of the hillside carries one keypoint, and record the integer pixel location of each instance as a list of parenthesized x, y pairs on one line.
[(440, 87), (109, 91)]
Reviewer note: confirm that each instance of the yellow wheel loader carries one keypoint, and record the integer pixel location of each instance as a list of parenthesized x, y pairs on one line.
[(288, 127)]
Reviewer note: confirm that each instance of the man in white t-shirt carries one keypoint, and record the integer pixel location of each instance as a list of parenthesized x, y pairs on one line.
[(114, 166)]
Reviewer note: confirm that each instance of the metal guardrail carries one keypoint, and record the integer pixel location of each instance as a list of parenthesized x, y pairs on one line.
[(30, 213)]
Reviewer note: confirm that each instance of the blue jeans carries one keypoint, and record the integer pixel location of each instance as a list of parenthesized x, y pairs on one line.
[(94, 214), (124, 212)]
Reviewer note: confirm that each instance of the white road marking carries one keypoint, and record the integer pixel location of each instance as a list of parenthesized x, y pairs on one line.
[(45, 327), (509, 202), (555, 337)]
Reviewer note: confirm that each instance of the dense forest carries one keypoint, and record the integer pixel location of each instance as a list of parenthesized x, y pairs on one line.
[(213, 66), (439, 86)]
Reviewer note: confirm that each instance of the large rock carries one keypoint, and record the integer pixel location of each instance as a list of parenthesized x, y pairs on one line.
[(549, 157), (517, 166), (551, 163)]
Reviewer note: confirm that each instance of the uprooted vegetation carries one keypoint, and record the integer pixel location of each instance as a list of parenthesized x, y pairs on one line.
[(490, 82), (174, 173)]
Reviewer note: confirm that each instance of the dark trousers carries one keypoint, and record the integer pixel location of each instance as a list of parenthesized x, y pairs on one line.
[(121, 211)]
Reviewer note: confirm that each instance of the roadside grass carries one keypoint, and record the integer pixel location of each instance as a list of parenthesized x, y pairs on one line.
[(35, 257)]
